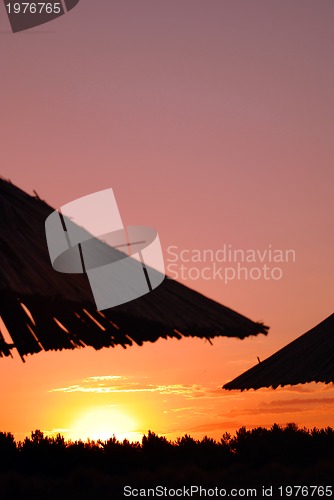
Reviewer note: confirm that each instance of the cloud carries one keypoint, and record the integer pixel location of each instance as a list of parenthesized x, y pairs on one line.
[(53, 432), (296, 405), (303, 401), (182, 409), (119, 384), (219, 426), (208, 405), (307, 388), (106, 377)]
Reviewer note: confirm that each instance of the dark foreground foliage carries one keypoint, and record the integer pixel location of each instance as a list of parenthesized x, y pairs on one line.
[(50, 467)]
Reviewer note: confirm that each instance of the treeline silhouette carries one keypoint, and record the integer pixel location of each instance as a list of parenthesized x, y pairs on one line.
[(50, 467)]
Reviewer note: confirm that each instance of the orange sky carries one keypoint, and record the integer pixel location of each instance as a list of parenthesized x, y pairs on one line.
[(212, 121)]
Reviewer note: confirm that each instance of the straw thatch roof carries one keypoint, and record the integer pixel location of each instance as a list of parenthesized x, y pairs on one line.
[(309, 358), (44, 309)]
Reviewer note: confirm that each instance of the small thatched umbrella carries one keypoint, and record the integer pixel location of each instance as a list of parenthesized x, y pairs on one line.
[(309, 358), (26, 15), (44, 309)]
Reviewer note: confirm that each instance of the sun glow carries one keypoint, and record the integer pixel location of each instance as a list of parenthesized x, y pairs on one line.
[(103, 423)]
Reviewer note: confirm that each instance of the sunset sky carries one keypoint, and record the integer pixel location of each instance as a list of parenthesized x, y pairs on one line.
[(212, 121)]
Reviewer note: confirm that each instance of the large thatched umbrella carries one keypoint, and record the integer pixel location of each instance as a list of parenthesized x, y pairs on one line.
[(45, 309), (309, 358)]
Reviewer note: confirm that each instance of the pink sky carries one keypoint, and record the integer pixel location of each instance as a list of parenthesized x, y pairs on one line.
[(212, 121)]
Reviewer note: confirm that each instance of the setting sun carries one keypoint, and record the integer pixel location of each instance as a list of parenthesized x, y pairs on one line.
[(103, 423)]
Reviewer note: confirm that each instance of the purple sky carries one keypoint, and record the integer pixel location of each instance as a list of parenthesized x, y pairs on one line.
[(212, 121)]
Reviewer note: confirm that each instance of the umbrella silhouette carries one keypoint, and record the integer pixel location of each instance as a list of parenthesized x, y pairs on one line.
[(309, 358), (46, 310)]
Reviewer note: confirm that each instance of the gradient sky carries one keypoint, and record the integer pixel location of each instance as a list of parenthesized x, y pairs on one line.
[(213, 122)]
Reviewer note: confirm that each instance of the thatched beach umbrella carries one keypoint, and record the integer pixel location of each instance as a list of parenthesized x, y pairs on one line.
[(45, 309), (309, 358)]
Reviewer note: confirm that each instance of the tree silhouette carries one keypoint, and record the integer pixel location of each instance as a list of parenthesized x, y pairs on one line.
[(51, 467)]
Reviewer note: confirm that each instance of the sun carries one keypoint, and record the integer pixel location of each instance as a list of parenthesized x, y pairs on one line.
[(103, 423)]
